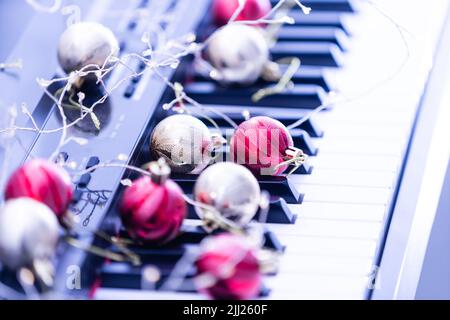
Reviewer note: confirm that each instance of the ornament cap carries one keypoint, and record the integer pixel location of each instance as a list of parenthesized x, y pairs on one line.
[(159, 171), (295, 155), (217, 141)]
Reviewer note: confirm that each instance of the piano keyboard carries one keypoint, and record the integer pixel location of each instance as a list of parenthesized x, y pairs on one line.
[(331, 217)]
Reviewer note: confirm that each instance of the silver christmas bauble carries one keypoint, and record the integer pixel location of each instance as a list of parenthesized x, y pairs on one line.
[(184, 142), (239, 54), (29, 233), (231, 190), (86, 43)]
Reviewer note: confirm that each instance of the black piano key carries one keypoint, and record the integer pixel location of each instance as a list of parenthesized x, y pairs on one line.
[(281, 187), (300, 96), (303, 141), (285, 116), (125, 276), (303, 169), (310, 53), (327, 5), (312, 75), (279, 212), (188, 235), (314, 34), (320, 19), (312, 128), (275, 185), (164, 257), (265, 292), (305, 75), (271, 240), (122, 276)]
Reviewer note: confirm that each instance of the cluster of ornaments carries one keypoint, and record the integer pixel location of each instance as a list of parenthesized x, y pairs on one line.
[(153, 208), (262, 144), (38, 195)]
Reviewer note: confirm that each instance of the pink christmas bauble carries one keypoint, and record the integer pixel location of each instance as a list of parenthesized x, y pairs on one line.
[(42, 181), (153, 212), (260, 144), (228, 268), (223, 10)]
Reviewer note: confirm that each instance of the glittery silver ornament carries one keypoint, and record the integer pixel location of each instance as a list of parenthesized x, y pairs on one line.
[(238, 53), (86, 43), (29, 233), (184, 142), (231, 190)]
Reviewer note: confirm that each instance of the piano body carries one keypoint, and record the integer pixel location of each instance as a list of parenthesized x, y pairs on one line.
[(353, 223)]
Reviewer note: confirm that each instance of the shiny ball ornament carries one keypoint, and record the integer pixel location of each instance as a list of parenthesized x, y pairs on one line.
[(228, 268), (86, 43), (238, 53), (223, 10), (265, 146), (231, 191), (29, 233), (42, 181), (184, 142), (153, 208)]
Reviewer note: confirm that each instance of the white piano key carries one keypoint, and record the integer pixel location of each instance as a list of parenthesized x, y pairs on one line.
[(374, 163), (304, 264), (131, 294), (360, 146), (339, 211), (345, 178), (279, 295), (305, 286), (372, 117), (329, 229), (366, 130), (343, 194), (333, 247)]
